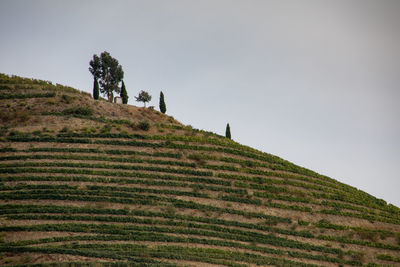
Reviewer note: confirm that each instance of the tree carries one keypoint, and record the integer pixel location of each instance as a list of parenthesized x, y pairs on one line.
[(107, 70), (124, 94), (228, 131), (163, 108), (143, 97), (94, 68), (95, 89)]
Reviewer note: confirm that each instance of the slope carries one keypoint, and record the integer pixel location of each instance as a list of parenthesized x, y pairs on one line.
[(91, 183)]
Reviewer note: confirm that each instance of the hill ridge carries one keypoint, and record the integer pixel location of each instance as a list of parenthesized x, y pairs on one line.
[(90, 182)]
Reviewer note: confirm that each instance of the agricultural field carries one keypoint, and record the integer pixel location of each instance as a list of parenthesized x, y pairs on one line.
[(91, 183)]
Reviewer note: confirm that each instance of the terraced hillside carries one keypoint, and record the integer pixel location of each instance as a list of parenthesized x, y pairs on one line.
[(87, 182)]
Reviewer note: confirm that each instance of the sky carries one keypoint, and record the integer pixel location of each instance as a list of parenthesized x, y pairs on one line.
[(314, 82)]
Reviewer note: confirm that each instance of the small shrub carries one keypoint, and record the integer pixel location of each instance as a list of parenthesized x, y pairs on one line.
[(303, 223), (196, 188), (100, 205), (388, 257), (2, 236), (248, 163), (357, 256), (3, 130), (198, 158), (15, 133), (367, 235), (106, 129), (15, 115), (144, 125), (26, 258), (270, 222), (67, 99), (37, 132), (51, 102), (170, 210), (83, 111), (24, 116), (65, 129)]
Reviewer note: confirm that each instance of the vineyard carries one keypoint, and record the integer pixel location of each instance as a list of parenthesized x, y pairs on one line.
[(82, 183)]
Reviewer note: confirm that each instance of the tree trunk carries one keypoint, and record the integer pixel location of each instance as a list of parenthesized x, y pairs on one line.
[(110, 97)]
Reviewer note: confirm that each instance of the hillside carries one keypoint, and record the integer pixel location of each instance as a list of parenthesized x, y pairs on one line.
[(91, 183)]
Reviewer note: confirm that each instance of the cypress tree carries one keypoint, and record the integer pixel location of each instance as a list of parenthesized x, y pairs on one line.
[(95, 89), (228, 131), (124, 94), (163, 108)]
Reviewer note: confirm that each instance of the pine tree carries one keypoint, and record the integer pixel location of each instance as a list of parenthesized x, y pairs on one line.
[(95, 89), (228, 131), (124, 94), (163, 108), (108, 72)]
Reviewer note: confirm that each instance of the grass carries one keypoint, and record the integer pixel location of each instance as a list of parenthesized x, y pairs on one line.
[(137, 188)]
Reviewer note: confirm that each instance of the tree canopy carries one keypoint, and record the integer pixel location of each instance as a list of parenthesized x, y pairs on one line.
[(163, 108), (143, 97), (124, 94), (95, 89), (228, 131), (108, 71)]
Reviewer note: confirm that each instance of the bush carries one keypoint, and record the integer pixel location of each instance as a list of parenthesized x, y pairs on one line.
[(37, 132), (84, 111), (23, 96), (388, 257), (65, 129), (15, 115), (67, 99), (198, 158), (304, 223), (144, 125), (106, 128)]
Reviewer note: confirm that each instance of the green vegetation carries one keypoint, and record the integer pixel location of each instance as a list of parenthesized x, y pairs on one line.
[(388, 257), (30, 95), (143, 97), (144, 125), (124, 94), (228, 131), (84, 111), (163, 107), (108, 71), (74, 184), (96, 91)]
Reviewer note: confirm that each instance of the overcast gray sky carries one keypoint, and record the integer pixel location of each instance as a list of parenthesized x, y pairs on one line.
[(314, 82)]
